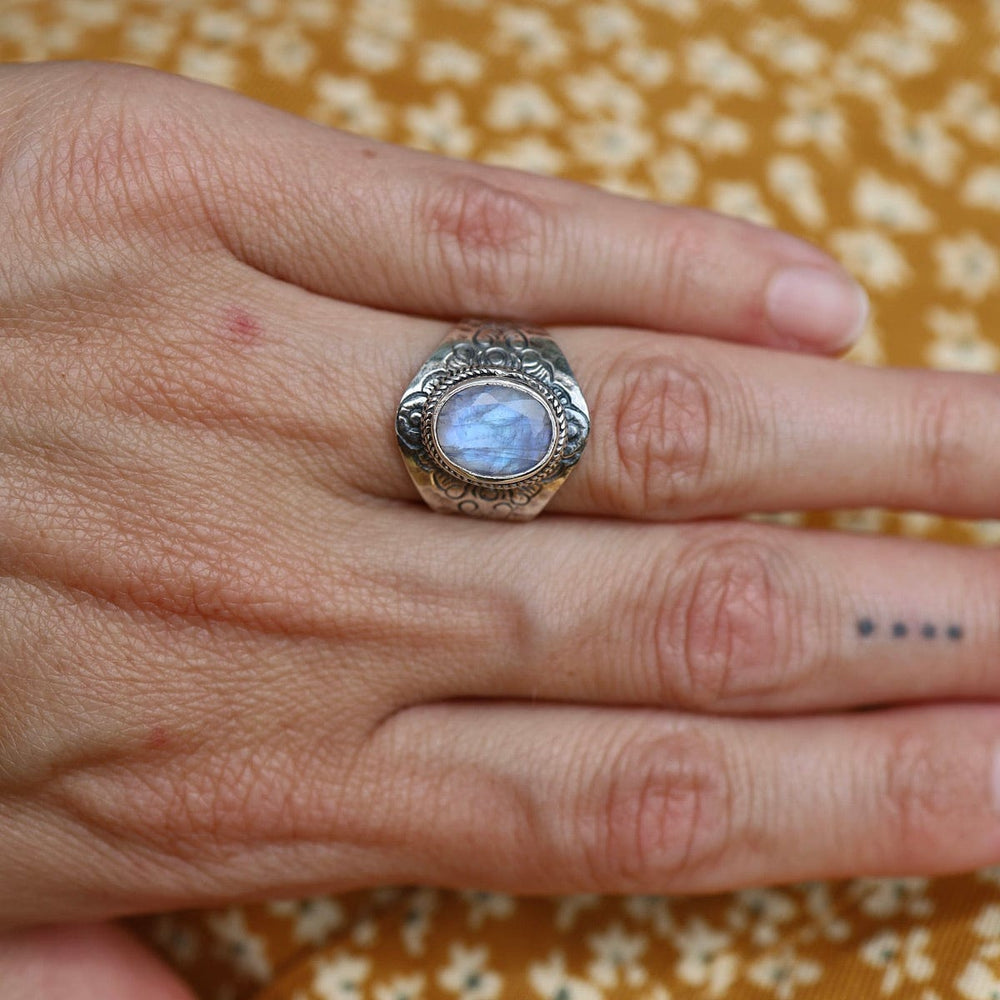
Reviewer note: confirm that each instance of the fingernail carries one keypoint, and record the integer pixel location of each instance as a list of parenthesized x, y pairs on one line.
[(815, 306)]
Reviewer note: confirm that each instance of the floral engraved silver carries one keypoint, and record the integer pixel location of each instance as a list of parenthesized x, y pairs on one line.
[(498, 353)]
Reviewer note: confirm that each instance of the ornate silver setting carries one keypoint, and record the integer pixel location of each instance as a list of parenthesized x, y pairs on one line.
[(492, 352)]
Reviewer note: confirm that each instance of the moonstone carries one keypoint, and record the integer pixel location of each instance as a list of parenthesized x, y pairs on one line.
[(494, 431)]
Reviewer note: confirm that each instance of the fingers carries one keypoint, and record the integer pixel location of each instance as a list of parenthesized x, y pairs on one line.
[(685, 428), (571, 799), (730, 618), (398, 229)]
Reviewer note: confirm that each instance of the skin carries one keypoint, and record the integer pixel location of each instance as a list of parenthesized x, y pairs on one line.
[(241, 660)]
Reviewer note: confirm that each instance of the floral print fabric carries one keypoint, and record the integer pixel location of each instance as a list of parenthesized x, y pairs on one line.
[(871, 127)]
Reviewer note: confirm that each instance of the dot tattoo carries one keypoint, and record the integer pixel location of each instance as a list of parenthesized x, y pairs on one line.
[(868, 627)]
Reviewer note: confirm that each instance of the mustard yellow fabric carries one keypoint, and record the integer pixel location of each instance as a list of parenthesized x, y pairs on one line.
[(869, 126)]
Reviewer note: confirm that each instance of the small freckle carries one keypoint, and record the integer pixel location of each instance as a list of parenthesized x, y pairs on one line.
[(900, 631), (369, 154), (241, 327), (866, 627), (157, 738), (929, 631), (955, 633)]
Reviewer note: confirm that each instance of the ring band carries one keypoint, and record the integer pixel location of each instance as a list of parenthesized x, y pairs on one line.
[(493, 422)]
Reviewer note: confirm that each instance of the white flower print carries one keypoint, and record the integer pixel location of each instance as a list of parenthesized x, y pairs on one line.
[(827, 8), (783, 973), (341, 977), (648, 67), (401, 988), (377, 33), (958, 343), (702, 125), (968, 264), (987, 924), (982, 189), (483, 905), (609, 144), (617, 957), (605, 24), (813, 119), (93, 13), (416, 921), (466, 975), (533, 153), (978, 982), (569, 907), (531, 34), (889, 897), (789, 50), (683, 10), (714, 65), (349, 103), (675, 175), (285, 52), (441, 61), (902, 54), (313, 920), (865, 521), (819, 904), (741, 199), (220, 27), (921, 140), (551, 981), (872, 257), (887, 203), (440, 126), (705, 960), (150, 36), (970, 106), (521, 105), (217, 66), (247, 952), (599, 92), (793, 179), (902, 958), (178, 941), (763, 911), (932, 21), (654, 910)]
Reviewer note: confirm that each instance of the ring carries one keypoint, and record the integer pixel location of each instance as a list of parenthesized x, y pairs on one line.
[(493, 422)]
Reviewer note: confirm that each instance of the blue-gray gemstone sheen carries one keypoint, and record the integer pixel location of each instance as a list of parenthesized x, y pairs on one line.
[(494, 431)]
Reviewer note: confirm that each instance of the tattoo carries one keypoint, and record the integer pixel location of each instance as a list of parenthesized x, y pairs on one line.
[(868, 627)]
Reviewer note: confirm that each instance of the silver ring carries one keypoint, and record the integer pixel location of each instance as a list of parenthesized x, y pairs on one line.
[(493, 422)]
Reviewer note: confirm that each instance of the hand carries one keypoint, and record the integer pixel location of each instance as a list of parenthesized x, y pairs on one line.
[(239, 659)]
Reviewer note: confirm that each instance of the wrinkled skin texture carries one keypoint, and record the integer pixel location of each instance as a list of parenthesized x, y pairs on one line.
[(239, 660)]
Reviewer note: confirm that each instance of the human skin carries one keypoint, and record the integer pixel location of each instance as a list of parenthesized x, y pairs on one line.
[(241, 660)]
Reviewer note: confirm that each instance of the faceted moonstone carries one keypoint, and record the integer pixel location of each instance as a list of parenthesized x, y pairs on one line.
[(494, 431)]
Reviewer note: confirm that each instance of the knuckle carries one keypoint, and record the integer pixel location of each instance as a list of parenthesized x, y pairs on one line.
[(110, 151), (929, 790), (659, 436), (685, 245), (726, 628), (663, 816), (486, 240), (941, 423)]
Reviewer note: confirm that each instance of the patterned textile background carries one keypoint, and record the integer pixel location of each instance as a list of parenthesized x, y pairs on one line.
[(869, 126)]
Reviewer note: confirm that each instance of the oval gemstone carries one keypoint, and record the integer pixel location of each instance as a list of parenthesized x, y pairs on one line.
[(494, 431)]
